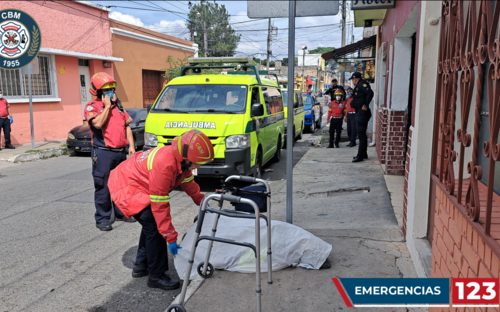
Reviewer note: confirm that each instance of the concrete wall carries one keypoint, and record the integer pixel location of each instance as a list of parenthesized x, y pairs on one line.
[(419, 152), (139, 55)]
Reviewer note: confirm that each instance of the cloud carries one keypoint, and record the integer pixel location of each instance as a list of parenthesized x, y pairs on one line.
[(175, 28), (126, 18)]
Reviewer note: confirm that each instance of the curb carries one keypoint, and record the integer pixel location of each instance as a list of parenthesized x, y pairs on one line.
[(36, 156)]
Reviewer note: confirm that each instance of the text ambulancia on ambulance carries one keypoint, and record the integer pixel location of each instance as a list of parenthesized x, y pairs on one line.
[(241, 113)]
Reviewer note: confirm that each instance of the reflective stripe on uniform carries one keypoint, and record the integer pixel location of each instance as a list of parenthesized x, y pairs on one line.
[(151, 158), (186, 180), (159, 199)]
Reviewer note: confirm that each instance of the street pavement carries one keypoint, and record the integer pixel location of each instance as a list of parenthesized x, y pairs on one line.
[(53, 257)]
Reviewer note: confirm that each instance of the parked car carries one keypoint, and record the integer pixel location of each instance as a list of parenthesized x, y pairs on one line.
[(79, 138), (314, 113)]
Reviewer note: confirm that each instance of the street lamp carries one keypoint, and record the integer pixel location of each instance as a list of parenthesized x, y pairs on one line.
[(205, 38), (304, 48)]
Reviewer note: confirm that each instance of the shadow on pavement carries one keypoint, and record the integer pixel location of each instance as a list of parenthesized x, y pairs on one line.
[(136, 295)]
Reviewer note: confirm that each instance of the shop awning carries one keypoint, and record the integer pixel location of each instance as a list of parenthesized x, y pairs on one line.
[(351, 48)]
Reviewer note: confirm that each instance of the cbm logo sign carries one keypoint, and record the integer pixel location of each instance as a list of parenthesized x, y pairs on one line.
[(20, 39)]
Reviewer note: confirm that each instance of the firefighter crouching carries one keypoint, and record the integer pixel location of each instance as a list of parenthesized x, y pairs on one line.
[(335, 118), (140, 187)]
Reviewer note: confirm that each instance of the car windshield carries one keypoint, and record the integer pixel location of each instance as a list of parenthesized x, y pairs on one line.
[(132, 113), (307, 100), (227, 99)]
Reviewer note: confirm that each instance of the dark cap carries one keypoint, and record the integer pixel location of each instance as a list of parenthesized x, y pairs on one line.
[(334, 79), (355, 75)]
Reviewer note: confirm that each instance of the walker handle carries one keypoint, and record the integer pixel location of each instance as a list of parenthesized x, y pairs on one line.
[(248, 179), (231, 198)]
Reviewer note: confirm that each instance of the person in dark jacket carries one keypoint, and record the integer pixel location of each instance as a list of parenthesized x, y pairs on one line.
[(334, 88), (363, 95)]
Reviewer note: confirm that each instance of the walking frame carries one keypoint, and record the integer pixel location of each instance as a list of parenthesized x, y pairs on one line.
[(205, 269)]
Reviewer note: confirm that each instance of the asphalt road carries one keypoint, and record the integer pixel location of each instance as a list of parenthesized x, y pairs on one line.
[(52, 256)]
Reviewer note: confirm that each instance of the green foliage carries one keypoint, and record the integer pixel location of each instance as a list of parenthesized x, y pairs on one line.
[(222, 38), (285, 61), (174, 69), (321, 50)]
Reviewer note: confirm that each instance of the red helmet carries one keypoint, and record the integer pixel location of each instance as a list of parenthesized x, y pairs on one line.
[(194, 146), (101, 81), (339, 92)]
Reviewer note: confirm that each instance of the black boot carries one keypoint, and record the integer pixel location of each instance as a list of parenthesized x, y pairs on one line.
[(140, 270), (9, 146), (124, 219), (337, 146), (106, 226), (330, 146), (162, 281)]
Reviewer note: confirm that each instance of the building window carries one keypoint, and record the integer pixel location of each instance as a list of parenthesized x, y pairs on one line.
[(14, 83), (82, 62)]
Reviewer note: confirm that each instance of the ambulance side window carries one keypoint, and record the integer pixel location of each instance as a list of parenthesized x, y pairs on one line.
[(273, 100), (255, 95)]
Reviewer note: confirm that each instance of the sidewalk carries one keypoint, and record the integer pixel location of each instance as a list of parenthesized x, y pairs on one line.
[(346, 204), (25, 152)]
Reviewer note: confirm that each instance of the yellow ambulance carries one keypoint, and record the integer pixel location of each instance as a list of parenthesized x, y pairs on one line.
[(298, 114), (241, 114)]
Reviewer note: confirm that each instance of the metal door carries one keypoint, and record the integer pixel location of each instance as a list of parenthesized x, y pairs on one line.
[(85, 96)]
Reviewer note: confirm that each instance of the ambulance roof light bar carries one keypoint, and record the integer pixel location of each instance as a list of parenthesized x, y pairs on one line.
[(219, 60)]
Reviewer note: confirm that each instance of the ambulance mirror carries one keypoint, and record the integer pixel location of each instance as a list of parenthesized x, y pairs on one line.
[(257, 110)]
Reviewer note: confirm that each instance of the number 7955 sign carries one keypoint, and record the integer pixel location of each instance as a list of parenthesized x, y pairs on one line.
[(473, 291)]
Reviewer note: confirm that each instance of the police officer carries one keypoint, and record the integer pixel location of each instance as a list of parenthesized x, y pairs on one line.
[(334, 89), (335, 117), (141, 186), (350, 118), (110, 135), (5, 120), (362, 97)]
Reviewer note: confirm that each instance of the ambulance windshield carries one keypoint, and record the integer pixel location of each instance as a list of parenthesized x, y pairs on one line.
[(221, 99)]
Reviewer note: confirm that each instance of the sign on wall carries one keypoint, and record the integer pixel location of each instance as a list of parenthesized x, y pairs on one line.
[(367, 70), (372, 4)]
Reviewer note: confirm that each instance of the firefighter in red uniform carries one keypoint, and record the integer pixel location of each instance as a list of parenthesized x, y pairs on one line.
[(335, 118), (110, 135), (350, 118), (140, 187), (5, 121)]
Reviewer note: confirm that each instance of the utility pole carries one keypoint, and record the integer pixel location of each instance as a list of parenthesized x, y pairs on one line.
[(205, 37), (304, 48), (342, 79), (268, 42)]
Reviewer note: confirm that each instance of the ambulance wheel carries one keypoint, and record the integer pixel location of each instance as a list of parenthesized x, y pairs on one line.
[(176, 308), (257, 170), (299, 137), (210, 270), (277, 156)]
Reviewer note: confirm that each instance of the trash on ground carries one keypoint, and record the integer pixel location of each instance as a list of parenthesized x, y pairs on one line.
[(268, 170), (292, 246)]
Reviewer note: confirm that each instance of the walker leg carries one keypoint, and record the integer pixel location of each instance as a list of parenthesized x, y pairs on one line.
[(210, 244), (258, 290)]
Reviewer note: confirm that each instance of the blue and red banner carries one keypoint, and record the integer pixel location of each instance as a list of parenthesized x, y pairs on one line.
[(419, 292)]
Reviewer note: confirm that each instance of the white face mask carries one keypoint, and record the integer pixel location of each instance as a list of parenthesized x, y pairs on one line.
[(339, 98), (1, 95)]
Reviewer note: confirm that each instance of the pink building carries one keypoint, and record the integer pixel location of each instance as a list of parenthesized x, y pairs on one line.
[(76, 43)]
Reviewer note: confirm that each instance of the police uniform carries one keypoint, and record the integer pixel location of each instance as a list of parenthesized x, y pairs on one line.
[(363, 95), (5, 121), (351, 123), (336, 118), (109, 149)]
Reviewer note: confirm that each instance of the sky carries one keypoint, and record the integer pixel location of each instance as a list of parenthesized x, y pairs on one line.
[(321, 31)]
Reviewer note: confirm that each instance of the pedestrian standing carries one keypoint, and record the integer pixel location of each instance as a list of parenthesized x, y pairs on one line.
[(140, 187), (5, 121), (350, 118), (334, 89), (335, 117), (110, 135), (362, 97), (349, 93)]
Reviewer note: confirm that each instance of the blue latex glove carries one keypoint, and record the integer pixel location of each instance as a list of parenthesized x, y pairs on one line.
[(173, 248), (11, 119)]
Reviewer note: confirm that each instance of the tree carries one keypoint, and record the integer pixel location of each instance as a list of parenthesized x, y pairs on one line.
[(174, 69), (214, 19), (285, 61), (321, 50)]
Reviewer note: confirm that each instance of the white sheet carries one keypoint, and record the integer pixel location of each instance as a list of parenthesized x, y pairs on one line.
[(291, 246)]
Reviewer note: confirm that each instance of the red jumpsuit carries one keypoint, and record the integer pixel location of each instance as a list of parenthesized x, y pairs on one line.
[(147, 179), (335, 118)]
